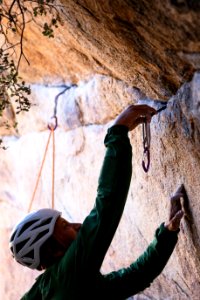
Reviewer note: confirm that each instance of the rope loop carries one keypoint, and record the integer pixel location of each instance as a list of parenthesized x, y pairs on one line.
[(55, 125)]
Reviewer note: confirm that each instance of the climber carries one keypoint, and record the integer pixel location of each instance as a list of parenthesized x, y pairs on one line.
[(72, 254)]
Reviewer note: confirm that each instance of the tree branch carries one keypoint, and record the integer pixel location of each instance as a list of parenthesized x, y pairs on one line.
[(22, 36)]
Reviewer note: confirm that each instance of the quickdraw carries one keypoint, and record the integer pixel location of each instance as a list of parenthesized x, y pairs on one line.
[(146, 134)]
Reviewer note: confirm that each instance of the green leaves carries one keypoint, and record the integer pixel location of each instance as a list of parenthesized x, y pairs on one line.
[(1, 141), (48, 28), (14, 16), (11, 85), (44, 8), (48, 31)]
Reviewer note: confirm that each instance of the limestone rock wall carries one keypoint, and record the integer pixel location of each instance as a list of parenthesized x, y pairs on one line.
[(84, 113)]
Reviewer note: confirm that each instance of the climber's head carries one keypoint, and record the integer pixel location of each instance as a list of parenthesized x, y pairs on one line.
[(42, 238)]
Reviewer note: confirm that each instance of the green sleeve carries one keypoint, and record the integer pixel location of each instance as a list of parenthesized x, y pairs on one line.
[(139, 275), (80, 265), (99, 227)]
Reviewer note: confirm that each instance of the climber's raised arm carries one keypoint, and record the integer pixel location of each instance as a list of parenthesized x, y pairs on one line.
[(139, 275)]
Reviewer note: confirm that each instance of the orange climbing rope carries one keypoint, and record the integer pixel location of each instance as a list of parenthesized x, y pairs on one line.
[(53, 171), (52, 129)]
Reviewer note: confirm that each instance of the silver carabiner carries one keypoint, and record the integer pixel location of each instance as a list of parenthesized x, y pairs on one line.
[(146, 132)]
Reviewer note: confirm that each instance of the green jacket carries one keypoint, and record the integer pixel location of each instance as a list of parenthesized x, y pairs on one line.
[(77, 275)]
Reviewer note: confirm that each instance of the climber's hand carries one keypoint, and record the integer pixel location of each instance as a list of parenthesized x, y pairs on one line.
[(135, 115), (176, 212)]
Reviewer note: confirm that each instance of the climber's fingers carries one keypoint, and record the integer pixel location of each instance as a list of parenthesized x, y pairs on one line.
[(135, 115), (174, 223), (175, 201)]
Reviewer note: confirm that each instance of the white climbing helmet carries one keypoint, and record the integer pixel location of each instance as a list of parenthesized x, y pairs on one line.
[(30, 234)]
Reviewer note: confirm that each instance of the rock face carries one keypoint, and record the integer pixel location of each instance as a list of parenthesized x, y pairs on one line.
[(151, 45), (118, 53), (84, 113)]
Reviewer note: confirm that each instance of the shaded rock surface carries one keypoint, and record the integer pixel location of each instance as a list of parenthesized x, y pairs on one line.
[(84, 113), (151, 45)]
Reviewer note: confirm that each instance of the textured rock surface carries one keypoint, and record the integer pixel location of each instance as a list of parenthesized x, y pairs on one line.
[(139, 49), (152, 45), (85, 113)]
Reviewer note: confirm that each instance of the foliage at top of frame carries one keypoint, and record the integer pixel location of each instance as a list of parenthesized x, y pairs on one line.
[(13, 20)]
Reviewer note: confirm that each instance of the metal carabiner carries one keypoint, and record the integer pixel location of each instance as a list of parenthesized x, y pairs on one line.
[(53, 126), (146, 134), (146, 145), (146, 154)]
